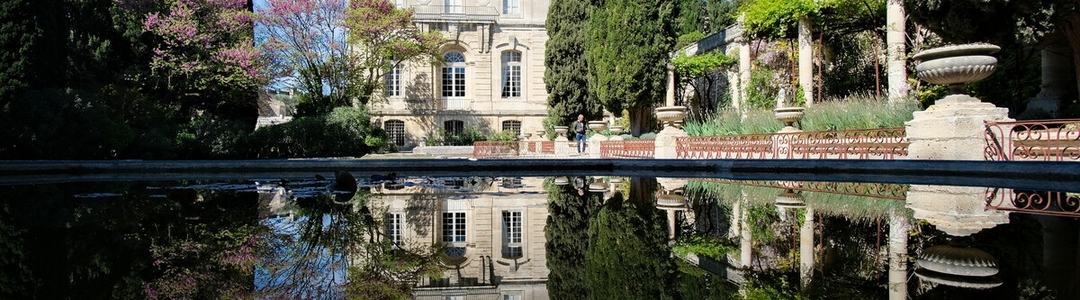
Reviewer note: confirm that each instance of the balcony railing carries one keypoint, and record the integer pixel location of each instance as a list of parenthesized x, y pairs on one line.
[(455, 104), (456, 13), (1033, 202), (628, 149), (881, 143)]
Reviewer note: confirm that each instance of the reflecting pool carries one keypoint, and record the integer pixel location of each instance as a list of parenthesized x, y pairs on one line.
[(363, 236)]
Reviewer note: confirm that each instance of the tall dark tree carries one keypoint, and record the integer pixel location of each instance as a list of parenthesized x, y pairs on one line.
[(566, 232), (628, 47), (17, 37), (566, 72), (691, 17), (628, 244)]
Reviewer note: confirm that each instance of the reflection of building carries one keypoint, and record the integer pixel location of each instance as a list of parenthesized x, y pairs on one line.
[(492, 78), (494, 235)]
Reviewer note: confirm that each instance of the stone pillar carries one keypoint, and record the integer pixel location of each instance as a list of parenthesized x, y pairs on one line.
[(744, 70), (746, 242), (899, 225), (594, 145), (956, 210), (806, 248), (670, 96), (665, 142), (806, 62), (952, 129)]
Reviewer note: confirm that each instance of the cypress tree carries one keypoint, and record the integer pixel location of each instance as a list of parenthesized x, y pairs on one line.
[(565, 76), (16, 35), (628, 47)]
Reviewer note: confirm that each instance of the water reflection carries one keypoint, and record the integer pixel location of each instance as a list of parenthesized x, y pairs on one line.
[(575, 237)]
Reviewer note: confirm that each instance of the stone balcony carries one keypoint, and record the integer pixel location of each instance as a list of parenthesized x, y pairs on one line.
[(455, 13)]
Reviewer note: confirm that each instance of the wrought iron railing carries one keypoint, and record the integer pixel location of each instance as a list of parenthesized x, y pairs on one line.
[(1045, 140), (628, 149), (1033, 202), (880, 143), (459, 13)]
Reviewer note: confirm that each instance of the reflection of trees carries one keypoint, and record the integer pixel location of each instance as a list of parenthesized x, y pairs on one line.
[(338, 249), (193, 244), (567, 238), (628, 255)]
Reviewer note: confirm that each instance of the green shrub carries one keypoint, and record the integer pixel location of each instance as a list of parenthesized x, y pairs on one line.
[(345, 131)]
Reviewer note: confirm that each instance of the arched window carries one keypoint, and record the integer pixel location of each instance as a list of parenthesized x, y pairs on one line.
[(514, 126), (511, 74), (453, 75), (395, 129)]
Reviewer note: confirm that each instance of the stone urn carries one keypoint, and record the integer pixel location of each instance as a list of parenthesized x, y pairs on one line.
[(597, 126), (956, 66), (562, 181), (671, 202), (672, 116), (790, 199), (788, 116), (541, 134), (598, 186), (959, 266), (561, 130), (616, 130), (526, 136)]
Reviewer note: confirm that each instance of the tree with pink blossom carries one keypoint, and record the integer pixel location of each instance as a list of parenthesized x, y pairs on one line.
[(337, 52), (205, 53)]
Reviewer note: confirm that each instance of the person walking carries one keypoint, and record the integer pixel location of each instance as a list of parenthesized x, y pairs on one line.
[(579, 130)]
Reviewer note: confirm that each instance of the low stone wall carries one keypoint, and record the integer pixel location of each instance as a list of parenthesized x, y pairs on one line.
[(447, 151)]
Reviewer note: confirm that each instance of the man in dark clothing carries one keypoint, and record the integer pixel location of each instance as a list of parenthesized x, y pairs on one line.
[(579, 130)]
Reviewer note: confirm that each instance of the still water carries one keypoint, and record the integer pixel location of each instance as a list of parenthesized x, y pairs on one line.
[(491, 237)]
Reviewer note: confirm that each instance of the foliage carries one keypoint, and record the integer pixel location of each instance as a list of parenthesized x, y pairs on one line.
[(62, 124), (16, 36), (701, 245), (567, 234), (503, 136), (565, 67), (346, 131), (210, 136), (628, 47), (466, 137), (720, 14), (770, 286), (337, 51), (628, 244), (689, 18), (776, 18), (854, 112), (701, 64)]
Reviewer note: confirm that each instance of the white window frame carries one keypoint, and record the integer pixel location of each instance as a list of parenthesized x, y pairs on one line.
[(511, 7), (454, 227), (395, 132), (393, 81), (394, 226), (453, 81), (512, 233), (511, 74)]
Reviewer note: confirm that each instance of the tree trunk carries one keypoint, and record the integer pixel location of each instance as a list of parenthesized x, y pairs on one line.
[(1058, 77), (895, 37), (641, 121), (806, 61)]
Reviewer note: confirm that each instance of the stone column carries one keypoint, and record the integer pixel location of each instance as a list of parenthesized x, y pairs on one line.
[(670, 96), (898, 256), (746, 242), (744, 70), (594, 144), (806, 61), (806, 248)]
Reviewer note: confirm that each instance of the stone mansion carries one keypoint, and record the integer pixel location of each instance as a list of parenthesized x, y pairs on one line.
[(492, 78)]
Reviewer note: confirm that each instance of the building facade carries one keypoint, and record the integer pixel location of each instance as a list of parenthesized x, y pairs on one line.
[(492, 78), (494, 235)]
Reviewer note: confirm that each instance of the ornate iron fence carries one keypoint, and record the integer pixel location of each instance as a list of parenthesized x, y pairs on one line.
[(628, 149), (1045, 140), (1033, 202), (881, 143)]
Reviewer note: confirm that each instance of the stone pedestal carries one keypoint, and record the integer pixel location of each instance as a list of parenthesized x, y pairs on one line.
[(955, 210), (564, 148), (665, 142), (594, 145), (952, 129)]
